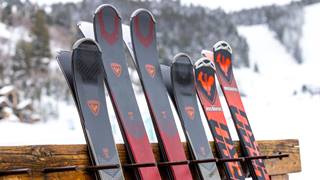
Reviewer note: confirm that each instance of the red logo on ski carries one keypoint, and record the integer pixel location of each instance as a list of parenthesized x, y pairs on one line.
[(130, 115), (116, 68), (190, 112), (94, 106), (105, 152), (224, 65), (206, 83), (151, 70)]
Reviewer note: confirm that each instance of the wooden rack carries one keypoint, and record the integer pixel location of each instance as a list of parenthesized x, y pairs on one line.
[(32, 160)]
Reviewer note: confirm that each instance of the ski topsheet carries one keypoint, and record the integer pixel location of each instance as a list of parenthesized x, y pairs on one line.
[(89, 88), (107, 28), (186, 102), (209, 100), (143, 34), (223, 62)]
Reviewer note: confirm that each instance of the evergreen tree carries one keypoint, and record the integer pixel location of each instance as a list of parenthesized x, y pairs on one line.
[(41, 37)]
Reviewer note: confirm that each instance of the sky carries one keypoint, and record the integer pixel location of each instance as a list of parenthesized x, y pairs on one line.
[(227, 5)]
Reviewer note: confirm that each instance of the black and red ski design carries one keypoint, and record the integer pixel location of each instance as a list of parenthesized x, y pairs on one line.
[(88, 78), (210, 102), (108, 33), (223, 62), (185, 99), (143, 34)]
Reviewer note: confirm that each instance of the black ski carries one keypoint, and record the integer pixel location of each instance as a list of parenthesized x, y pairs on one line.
[(107, 28), (143, 36), (89, 89), (186, 102), (65, 64)]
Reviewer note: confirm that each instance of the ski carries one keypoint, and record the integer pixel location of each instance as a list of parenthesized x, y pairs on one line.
[(143, 34), (223, 62), (88, 80), (64, 60), (107, 28), (210, 102), (185, 99)]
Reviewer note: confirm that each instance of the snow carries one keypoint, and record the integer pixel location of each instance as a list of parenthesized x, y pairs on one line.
[(272, 108), (6, 89), (5, 33), (24, 104), (232, 5)]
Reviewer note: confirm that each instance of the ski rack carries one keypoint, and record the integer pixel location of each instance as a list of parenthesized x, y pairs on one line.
[(140, 165), (15, 171), (73, 161)]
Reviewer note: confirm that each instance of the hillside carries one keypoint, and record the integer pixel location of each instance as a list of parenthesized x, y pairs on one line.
[(276, 68)]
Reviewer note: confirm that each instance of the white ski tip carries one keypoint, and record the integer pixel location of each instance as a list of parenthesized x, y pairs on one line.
[(222, 45), (204, 62), (181, 55), (86, 28), (82, 40)]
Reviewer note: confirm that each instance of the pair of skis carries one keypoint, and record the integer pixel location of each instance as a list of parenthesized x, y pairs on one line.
[(219, 62)]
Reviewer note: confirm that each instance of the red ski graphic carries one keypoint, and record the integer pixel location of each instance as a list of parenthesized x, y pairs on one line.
[(190, 112), (222, 60), (151, 70), (112, 37), (94, 106), (116, 68), (147, 39)]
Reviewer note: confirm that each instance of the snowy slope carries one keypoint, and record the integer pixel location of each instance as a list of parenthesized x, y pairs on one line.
[(270, 94)]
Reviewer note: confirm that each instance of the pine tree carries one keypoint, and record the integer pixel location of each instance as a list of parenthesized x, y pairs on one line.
[(41, 37)]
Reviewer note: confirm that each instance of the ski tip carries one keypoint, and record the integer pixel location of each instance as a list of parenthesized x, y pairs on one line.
[(83, 23), (203, 61), (85, 42), (222, 45), (182, 57), (206, 53), (140, 12), (107, 7)]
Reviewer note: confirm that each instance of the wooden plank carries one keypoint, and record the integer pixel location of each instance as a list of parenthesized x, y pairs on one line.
[(280, 177), (39, 157)]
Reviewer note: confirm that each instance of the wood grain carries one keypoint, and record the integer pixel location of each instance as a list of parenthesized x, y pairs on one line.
[(41, 156)]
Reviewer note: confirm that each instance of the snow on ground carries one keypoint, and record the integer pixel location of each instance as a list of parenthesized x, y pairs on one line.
[(272, 108), (232, 5)]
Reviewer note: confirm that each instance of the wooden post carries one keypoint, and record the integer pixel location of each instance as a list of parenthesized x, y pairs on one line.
[(39, 157)]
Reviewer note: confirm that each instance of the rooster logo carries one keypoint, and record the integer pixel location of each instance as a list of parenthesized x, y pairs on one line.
[(94, 106), (190, 112), (151, 70), (116, 68), (223, 63), (206, 83)]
